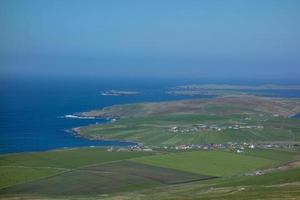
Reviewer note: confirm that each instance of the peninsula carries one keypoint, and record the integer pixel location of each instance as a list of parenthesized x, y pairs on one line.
[(236, 118)]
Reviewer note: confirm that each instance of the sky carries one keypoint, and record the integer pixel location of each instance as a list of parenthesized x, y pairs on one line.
[(212, 39)]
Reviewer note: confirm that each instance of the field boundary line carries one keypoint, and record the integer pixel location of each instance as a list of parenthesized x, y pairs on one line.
[(34, 180), (64, 170), (34, 167)]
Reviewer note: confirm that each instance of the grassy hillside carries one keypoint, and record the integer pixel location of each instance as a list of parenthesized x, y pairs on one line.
[(157, 130)]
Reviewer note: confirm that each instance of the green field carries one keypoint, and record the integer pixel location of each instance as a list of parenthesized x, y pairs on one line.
[(158, 174), (273, 186), (23, 167), (105, 178), (66, 158), (289, 176), (11, 175), (92, 172), (156, 130), (277, 155), (214, 163)]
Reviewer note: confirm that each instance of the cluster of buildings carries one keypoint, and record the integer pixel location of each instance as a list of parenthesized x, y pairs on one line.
[(213, 127), (199, 146), (277, 146), (232, 146), (236, 147), (132, 148), (240, 147)]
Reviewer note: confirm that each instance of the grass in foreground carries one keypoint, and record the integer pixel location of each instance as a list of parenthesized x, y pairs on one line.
[(277, 185), (105, 179), (278, 177), (136, 175)]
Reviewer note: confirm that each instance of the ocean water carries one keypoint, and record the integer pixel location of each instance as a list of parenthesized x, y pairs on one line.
[(31, 109)]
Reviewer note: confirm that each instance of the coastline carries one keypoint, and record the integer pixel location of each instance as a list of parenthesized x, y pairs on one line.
[(76, 133)]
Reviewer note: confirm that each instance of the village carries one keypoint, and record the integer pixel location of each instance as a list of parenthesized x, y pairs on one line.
[(212, 127), (241, 147)]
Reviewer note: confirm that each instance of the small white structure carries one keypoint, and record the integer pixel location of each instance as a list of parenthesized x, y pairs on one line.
[(258, 173), (147, 150)]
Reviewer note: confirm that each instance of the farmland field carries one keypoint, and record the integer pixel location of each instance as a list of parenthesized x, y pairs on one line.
[(214, 163), (124, 172), (106, 178), (11, 175), (22, 167), (277, 185), (66, 158), (156, 131)]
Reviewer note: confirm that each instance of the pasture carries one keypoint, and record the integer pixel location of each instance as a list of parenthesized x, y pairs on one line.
[(93, 173), (108, 178), (276, 185), (214, 163), (66, 158), (23, 167)]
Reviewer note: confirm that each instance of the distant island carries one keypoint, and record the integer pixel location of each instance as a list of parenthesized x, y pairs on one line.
[(119, 93), (225, 89), (240, 87)]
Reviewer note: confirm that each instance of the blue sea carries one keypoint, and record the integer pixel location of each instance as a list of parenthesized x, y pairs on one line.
[(31, 109)]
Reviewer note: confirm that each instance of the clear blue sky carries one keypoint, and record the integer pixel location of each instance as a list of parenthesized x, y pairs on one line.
[(153, 38)]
